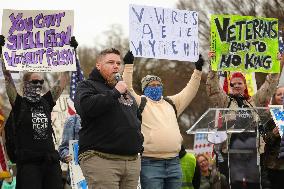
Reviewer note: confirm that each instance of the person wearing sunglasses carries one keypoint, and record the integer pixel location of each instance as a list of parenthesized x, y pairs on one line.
[(37, 160)]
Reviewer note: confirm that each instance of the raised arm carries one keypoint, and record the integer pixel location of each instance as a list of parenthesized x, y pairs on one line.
[(217, 96), (183, 98), (59, 86), (9, 83), (61, 83), (268, 87), (266, 90), (128, 75)]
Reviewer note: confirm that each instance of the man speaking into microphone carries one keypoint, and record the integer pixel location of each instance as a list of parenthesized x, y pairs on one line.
[(110, 139)]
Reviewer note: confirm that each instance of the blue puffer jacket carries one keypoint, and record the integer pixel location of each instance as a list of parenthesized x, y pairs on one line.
[(281, 154)]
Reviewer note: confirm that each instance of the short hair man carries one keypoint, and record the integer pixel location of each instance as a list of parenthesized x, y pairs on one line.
[(110, 138)]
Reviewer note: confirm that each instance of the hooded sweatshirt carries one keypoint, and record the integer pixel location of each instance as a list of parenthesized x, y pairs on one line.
[(110, 123)]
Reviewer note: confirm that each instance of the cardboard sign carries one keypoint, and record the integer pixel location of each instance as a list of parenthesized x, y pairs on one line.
[(78, 181), (163, 33), (201, 144), (38, 40), (244, 43), (277, 113)]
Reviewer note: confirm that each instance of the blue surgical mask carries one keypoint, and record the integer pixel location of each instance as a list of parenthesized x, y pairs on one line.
[(154, 93)]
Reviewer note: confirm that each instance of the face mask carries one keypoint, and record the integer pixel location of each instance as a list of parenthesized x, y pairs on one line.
[(154, 93), (32, 91)]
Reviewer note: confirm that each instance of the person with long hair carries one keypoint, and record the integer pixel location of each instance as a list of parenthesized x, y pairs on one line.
[(210, 177)]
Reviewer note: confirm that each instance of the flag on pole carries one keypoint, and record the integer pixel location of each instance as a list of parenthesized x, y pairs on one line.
[(76, 76)]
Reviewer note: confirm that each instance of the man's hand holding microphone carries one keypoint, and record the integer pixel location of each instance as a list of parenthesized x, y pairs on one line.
[(121, 85)]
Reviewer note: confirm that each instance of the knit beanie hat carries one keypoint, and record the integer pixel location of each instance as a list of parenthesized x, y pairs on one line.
[(148, 79)]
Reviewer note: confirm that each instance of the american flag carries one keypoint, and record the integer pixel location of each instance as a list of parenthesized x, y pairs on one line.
[(76, 76)]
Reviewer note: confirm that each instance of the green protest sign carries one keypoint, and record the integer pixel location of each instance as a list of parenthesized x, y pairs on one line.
[(244, 43)]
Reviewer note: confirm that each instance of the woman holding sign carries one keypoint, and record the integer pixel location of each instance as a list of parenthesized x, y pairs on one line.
[(244, 172), (36, 158), (272, 163)]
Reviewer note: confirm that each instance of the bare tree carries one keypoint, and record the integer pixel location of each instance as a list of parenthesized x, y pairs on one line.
[(263, 8)]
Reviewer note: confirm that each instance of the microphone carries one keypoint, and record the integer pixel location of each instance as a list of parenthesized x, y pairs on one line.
[(118, 78), (261, 126)]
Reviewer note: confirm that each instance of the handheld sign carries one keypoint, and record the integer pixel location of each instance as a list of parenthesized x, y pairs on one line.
[(277, 113), (161, 33), (38, 40), (77, 179), (244, 43)]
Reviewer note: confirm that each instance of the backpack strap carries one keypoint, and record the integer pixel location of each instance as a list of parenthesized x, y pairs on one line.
[(144, 101), (171, 103), (142, 104)]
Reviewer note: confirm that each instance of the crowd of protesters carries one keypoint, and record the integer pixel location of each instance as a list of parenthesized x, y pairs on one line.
[(126, 138)]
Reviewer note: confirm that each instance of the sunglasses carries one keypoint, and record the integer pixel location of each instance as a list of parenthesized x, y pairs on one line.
[(37, 81)]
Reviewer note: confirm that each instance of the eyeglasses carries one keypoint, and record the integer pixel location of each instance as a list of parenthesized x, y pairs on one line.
[(37, 81)]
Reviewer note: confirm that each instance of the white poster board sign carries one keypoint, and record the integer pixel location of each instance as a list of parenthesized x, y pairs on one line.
[(162, 33), (78, 181), (38, 40), (277, 114)]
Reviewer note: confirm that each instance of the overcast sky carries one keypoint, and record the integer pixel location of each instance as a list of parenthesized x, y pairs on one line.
[(92, 17)]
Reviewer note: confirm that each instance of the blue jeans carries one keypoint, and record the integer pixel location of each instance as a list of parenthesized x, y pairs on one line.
[(160, 173)]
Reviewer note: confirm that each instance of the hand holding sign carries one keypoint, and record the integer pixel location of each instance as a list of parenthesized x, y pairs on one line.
[(73, 42), (211, 54), (128, 58), (199, 63), (276, 131)]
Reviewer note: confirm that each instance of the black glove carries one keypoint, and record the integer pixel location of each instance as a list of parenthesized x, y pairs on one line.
[(128, 58), (73, 42), (2, 42), (199, 63)]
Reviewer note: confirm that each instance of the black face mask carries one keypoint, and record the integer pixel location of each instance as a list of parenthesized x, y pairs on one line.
[(32, 90)]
